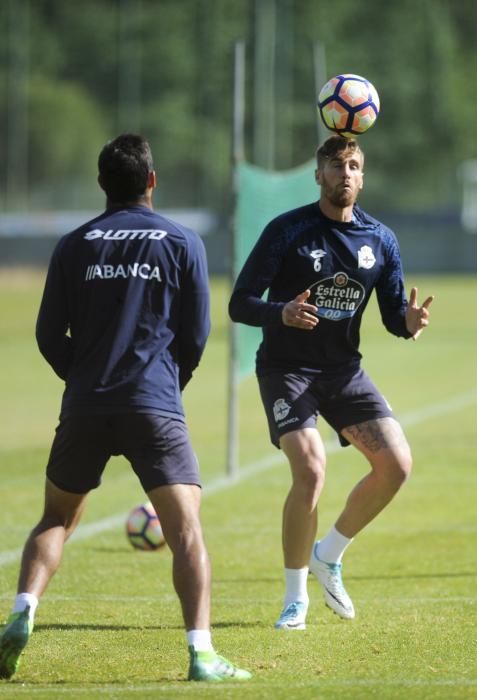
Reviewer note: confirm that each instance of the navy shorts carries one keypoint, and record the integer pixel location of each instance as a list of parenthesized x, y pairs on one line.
[(158, 449), (295, 400)]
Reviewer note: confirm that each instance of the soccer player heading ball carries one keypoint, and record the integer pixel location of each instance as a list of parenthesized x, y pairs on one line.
[(320, 263)]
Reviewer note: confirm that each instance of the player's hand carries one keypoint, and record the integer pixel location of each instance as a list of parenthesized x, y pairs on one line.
[(299, 314), (417, 317)]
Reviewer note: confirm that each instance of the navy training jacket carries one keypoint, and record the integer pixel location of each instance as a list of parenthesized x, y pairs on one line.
[(124, 316), (341, 264)]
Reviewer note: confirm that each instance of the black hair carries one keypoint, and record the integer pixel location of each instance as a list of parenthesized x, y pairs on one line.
[(124, 166)]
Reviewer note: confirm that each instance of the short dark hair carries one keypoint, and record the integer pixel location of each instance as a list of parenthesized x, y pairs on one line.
[(336, 145), (124, 166)]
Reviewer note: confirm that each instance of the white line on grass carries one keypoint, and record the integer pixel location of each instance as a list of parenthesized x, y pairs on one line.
[(412, 418), (434, 410)]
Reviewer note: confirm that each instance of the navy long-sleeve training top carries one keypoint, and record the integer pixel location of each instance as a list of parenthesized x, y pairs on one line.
[(341, 263), (124, 316)]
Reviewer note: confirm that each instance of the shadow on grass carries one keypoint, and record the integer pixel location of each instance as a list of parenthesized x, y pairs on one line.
[(395, 577), (128, 550), (84, 685), (68, 627), (351, 577), (243, 579)]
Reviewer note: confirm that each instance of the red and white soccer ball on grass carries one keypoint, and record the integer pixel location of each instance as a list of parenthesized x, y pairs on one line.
[(143, 528), (348, 104)]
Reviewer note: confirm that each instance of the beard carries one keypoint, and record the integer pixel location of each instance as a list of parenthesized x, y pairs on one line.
[(338, 196)]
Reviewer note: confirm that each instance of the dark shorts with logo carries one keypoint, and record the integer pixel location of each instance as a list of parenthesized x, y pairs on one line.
[(158, 449), (293, 401)]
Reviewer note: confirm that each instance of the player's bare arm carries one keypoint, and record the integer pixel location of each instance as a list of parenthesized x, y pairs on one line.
[(299, 314), (417, 317)]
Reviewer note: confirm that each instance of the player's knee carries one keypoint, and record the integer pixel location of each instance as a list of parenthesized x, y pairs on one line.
[(316, 475), (406, 466), (309, 477), (401, 469), (186, 537)]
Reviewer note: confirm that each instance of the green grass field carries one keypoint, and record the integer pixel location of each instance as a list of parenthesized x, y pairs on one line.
[(109, 625)]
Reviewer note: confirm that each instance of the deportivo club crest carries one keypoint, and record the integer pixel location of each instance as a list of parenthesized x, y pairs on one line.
[(280, 409), (366, 257)]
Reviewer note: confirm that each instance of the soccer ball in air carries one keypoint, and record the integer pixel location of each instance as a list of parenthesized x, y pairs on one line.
[(348, 104), (143, 528)]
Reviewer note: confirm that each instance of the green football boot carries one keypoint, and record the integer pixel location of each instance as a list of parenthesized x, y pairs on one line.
[(209, 666), (13, 640)]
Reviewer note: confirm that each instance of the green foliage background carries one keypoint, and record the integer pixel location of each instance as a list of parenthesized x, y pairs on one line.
[(73, 74)]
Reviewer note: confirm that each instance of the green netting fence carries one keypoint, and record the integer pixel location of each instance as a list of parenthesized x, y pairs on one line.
[(261, 196)]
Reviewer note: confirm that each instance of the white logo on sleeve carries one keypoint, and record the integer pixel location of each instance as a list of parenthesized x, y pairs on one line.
[(366, 257), (317, 255)]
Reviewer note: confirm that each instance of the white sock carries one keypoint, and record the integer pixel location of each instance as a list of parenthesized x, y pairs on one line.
[(22, 600), (201, 640), (296, 586), (332, 547)]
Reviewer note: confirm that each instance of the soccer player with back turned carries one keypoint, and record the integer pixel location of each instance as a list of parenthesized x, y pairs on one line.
[(320, 264), (123, 321)]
